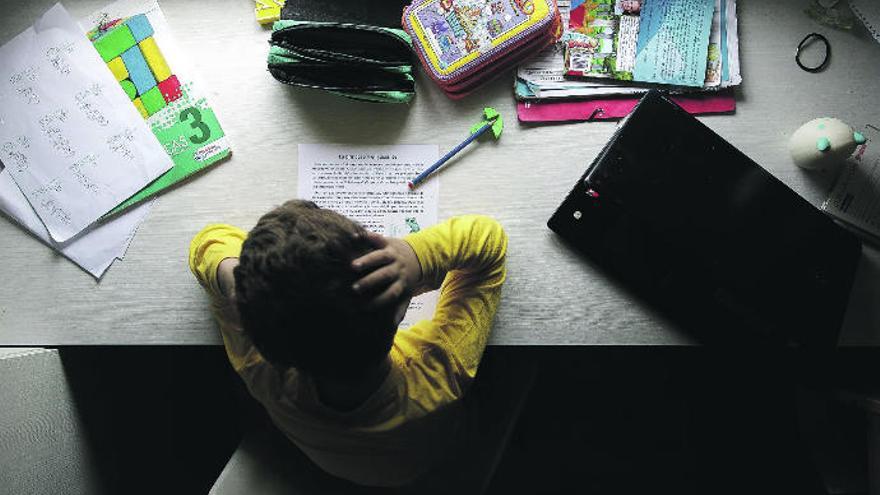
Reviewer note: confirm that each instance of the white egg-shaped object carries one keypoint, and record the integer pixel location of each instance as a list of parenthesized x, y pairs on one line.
[(823, 142)]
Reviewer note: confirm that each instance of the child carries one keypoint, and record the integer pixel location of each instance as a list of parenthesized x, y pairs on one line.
[(308, 305)]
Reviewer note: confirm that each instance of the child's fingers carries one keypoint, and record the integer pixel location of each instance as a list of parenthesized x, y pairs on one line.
[(373, 260), (389, 296), (378, 241), (377, 279)]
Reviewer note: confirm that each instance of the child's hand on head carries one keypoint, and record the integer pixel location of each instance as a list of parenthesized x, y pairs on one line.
[(388, 274)]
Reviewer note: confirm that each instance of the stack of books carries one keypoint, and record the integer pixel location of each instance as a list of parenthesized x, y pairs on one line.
[(613, 51), (97, 122)]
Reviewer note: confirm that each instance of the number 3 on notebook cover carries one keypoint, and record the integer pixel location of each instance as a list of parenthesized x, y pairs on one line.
[(204, 132)]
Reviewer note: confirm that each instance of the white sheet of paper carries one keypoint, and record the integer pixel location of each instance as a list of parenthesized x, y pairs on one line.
[(69, 136), (94, 250), (626, 50), (855, 197), (732, 45), (369, 185)]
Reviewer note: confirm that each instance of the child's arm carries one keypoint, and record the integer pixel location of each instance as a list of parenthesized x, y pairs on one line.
[(208, 249), (466, 254), (213, 253)]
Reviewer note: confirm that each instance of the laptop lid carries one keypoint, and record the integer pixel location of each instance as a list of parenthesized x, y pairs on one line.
[(696, 227)]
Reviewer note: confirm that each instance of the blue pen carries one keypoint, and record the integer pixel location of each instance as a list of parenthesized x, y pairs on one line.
[(492, 121)]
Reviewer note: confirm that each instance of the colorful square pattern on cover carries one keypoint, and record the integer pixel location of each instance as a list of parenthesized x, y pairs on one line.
[(135, 59)]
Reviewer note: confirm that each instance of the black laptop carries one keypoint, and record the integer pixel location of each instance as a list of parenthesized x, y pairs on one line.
[(697, 228)]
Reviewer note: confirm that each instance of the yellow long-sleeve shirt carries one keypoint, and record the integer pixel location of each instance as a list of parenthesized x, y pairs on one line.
[(414, 415)]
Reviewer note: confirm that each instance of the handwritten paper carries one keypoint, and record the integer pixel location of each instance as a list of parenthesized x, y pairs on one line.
[(93, 250), (369, 185), (673, 44), (69, 137)]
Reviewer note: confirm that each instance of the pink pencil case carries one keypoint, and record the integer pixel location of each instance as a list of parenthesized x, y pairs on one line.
[(464, 43)]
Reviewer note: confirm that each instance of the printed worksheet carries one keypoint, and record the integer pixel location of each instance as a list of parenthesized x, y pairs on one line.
[(855, 198), (369, 185), (72, 141)]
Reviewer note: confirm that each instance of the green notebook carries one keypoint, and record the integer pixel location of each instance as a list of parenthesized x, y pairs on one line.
[(134, 39)]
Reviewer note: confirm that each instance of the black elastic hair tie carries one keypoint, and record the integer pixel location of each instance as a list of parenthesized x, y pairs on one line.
[(806, 41)]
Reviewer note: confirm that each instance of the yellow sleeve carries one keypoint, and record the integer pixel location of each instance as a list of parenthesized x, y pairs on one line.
[(211, 246), (467, 254), (207, 249)]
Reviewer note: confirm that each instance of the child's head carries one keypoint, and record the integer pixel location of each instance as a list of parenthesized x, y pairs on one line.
[(293, 289)]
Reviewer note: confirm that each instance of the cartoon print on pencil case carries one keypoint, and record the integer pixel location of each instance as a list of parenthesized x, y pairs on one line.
[(470, 25), (526, 6), (120, 143), (56, 57), (14, 152), (439, 28), (47, 201), (50, 128), (18, 80), (80, 169), (91, 110)]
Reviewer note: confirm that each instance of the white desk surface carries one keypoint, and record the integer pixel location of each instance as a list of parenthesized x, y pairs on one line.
[(553, 296)]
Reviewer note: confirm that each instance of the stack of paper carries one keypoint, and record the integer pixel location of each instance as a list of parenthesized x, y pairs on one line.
[(613, 51), (75, 148), (72, 145)]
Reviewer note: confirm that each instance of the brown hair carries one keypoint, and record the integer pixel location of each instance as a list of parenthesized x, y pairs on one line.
[(294, 296)]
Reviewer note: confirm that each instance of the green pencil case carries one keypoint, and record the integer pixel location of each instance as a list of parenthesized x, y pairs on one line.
[(365, 62), (354, 42)]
